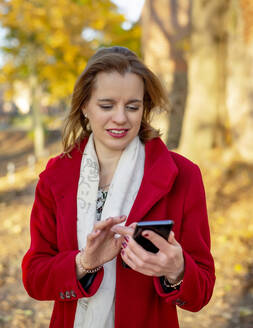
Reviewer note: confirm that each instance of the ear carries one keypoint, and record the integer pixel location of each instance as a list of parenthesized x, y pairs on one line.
[(84, 112)]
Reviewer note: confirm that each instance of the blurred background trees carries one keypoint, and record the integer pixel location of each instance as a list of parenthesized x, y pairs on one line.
[(219, 104), (239, 83), (166, 42), (205, 122), (47, 46), (202, 50)]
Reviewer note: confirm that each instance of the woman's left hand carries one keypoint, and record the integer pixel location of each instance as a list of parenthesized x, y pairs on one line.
[(168, 262)]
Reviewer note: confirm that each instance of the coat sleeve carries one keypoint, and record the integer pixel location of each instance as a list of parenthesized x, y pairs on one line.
[(50, 274), (199, 276)]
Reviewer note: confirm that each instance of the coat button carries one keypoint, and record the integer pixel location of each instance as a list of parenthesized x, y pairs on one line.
[(67, 294), (179, 302), (73, 294), (62, 296)]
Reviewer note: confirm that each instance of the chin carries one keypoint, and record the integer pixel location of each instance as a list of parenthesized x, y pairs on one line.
[(119, 145)]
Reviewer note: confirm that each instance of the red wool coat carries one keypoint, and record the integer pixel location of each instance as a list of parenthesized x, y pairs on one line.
[(171, 188)]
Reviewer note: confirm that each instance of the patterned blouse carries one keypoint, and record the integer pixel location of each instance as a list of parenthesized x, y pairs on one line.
[(101, 198)]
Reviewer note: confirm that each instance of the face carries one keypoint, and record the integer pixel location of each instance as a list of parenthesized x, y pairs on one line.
[(115, 111)]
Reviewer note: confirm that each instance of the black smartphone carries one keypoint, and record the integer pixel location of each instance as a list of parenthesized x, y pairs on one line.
[(162, 228)]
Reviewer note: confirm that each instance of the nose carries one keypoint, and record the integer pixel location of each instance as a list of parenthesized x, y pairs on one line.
[(119, 115)]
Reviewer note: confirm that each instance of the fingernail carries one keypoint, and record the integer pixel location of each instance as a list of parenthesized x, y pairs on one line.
[(126, 238), (124, 244), (122, 252), (146, 234)]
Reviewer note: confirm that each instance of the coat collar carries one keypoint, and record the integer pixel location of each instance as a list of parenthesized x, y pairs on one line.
[(160, 172), (63, 174)]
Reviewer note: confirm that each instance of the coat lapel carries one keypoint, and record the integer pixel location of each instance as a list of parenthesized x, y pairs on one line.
[(160, 172), (66, 178)]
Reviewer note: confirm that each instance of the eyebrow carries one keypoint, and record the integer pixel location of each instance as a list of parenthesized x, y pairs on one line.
[(129, 102)]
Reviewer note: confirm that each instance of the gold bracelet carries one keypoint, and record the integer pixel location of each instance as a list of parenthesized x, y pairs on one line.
[(169, 285), (92, 270), (82, 268)]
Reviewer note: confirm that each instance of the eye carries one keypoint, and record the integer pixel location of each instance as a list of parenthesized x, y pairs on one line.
[(132, 107), (106, 107)]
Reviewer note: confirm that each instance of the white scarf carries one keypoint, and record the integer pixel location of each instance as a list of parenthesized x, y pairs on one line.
[(97, 311)]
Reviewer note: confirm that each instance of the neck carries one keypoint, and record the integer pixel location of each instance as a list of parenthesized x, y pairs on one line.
[(107, 164)]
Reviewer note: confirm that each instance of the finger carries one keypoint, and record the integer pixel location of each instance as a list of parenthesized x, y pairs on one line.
[(132, 262), (102, 224), (172, 239), (118, 242), (126, 259), (109, 222), (139, 252), (92, 236), (116, 220), (142, 262), (156, 239), (122, 230), (105, 232)]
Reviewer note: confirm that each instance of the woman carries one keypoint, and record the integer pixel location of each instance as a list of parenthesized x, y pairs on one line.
[(116, 171)]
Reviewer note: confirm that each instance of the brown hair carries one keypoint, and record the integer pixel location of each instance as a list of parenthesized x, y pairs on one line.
[(122, 60)]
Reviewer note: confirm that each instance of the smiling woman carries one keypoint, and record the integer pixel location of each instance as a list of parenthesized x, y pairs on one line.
[(115, 112), (115, 171), (112, 69)]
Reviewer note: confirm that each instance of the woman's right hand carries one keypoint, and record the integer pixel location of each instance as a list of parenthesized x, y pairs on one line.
[(101, 245)]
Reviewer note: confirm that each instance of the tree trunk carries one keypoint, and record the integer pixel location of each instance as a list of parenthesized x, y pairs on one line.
[(205, 122), (166, 28), (38, 130), (240, 77)]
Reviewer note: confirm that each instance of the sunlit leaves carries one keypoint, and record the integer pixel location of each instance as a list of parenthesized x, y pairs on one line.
[(47, 39)]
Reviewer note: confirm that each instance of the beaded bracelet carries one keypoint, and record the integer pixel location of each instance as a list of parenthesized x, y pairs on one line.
[(169, 285), (81, 267)]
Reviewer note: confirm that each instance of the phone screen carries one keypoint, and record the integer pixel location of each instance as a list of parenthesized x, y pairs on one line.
[(162, 228)]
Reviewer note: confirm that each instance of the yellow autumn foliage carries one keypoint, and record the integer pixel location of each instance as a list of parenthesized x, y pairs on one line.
[(45, 40)]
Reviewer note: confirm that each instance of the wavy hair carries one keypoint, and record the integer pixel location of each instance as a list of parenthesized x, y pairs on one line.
[(121, 60)]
